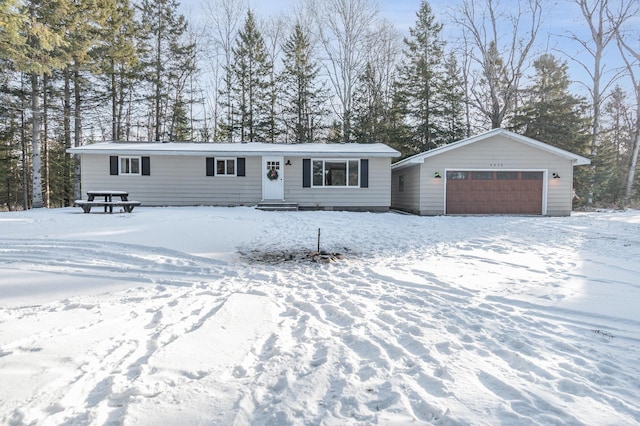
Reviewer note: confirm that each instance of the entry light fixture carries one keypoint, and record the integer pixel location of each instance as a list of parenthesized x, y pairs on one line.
[(556, 176), (437, 175), (288, 163)]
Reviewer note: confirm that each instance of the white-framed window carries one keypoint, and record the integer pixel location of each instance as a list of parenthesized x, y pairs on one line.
[(225, 166), (130, 166), (336, 173)]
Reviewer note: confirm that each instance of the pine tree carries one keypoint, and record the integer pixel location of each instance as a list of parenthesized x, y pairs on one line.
[(302, 95), (167, 60), (369, 109), (453, 102), (421, 78), (38, 52), (616, 147), (553, 115), (84, 24), (116, 58), (251, 71)]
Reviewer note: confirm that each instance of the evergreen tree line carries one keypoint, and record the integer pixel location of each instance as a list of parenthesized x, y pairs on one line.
[(78, 72)]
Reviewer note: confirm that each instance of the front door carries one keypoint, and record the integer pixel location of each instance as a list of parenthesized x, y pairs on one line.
[(272, 178)]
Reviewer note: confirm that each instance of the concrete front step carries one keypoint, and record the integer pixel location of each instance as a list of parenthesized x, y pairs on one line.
[(279, 207)]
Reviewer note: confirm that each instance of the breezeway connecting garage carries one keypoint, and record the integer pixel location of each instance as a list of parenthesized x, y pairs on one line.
[(497, 172)]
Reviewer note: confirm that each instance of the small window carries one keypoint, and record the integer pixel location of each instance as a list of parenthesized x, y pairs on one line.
[(317, 173), (353, 172), (482, 175), (225, 166), (456, 175), (129, 165), (345, 173), (531, 175), (507, 175), (401, 183)]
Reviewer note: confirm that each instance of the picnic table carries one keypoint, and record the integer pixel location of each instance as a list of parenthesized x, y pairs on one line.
[(106, 200)]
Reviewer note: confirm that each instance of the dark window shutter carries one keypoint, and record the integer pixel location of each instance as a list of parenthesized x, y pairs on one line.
[(113, 165), (306, 173), (364, 173), (241, 167), (210, 166), (146, 166)]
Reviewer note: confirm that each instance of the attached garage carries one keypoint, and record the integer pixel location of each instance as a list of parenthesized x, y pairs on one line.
[(491, 192), (497, 172)]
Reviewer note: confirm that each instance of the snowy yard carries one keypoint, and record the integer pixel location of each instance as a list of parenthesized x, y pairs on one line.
[(164, 316)]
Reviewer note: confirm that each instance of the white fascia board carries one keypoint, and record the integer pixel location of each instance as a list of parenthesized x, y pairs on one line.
[(237, 149), (419, 158)]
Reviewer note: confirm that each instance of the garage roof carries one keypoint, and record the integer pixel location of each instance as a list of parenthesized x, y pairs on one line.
[(419, 158)]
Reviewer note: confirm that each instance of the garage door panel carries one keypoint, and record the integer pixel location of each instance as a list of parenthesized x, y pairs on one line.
[(505, 193)]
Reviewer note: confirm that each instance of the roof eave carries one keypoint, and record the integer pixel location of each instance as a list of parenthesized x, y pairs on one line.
[(121, 149)]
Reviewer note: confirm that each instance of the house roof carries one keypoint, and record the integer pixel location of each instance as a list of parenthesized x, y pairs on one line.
[(237, 149), (419, 158)]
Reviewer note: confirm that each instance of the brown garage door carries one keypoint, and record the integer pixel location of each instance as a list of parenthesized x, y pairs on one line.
[(490, 192)]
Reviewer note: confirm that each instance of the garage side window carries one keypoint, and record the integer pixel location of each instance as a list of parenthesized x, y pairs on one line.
[(130, 166)]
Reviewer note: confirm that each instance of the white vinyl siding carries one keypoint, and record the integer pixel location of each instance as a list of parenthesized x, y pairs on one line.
[(377, 196), (498, 153), (181, 181), (409, 198), (178, 181)]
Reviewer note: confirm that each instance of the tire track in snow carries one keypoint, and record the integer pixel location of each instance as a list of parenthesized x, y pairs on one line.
[(118, 260)]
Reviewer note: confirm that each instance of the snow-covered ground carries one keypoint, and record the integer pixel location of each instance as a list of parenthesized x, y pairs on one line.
[(168, 316)]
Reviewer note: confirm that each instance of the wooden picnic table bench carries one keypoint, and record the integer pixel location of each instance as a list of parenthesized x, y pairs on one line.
[(108, 195), (108, 202)]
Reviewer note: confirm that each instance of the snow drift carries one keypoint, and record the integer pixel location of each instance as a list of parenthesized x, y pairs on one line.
[(163, 316)]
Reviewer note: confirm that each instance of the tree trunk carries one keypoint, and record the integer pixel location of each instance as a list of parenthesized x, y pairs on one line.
[(25, 173), (115, 134), (631, 176), (157, 83), (77, 132), (36, 166), (66, 120), (45, 143)]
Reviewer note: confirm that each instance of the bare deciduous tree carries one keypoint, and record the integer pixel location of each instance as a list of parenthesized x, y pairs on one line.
[(500, 56), (602, 29), (226, 17), (631, 59), (275, 30), (344, 31)]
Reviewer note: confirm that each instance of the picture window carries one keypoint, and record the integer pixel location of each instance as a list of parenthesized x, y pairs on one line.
[(341, 173)]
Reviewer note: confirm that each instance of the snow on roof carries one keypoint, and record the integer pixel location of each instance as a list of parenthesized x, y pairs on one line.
[(419, 158), (237, 149)]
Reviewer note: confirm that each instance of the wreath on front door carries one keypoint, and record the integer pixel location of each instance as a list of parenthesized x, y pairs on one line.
[(272, 174)]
